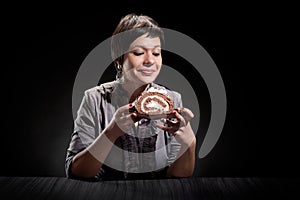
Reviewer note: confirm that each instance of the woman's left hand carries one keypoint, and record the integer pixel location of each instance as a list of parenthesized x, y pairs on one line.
[(180, 127)]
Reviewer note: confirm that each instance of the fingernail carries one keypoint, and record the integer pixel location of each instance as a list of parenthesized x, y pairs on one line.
[(130, 105), (174, 111)]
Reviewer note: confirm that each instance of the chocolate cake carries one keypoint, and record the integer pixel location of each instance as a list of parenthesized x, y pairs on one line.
[(154, 102)]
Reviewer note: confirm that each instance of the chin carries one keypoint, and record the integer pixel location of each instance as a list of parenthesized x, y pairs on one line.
[(147, 80)]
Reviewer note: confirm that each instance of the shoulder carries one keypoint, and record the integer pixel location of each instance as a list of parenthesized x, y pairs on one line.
[(96, 94), (103, 88)]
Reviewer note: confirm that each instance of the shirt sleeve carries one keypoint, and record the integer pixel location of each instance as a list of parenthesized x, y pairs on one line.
[(174, 145), (85, 130)]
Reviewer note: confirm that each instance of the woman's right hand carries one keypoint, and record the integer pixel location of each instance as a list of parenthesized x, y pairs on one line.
[(122, 120)]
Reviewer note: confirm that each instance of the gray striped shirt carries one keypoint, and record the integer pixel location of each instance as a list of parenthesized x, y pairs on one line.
[(150, 148)]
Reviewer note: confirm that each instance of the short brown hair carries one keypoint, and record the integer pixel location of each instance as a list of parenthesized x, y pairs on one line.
[(135, 26)]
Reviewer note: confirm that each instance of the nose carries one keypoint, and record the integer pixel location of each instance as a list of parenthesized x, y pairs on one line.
[(149, 59)]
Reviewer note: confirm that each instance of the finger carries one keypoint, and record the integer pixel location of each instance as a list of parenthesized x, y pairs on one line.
[(187, 113), (180, 117), (178, 110), (124, 110), (126, 117), (165, 128), (135, 117), (170, 122), (125, 107)]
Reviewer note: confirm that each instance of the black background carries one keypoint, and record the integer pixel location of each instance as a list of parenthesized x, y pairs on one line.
[(250, 44)]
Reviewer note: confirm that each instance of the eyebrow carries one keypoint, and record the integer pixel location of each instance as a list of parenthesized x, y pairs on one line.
[(143, 47)]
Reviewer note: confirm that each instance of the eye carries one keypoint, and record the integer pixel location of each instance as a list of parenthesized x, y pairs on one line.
[(156, 52), (138, 53)]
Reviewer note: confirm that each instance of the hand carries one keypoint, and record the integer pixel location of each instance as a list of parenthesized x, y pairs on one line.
[(123, 120), (180, 127)]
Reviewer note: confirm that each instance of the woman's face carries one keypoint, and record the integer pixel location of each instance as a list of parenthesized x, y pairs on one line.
[(142, 63)]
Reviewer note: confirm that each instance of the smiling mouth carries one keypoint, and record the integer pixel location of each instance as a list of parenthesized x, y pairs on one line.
[(147, 72)]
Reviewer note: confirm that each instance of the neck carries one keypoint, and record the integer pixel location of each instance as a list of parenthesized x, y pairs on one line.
[(134, 90)]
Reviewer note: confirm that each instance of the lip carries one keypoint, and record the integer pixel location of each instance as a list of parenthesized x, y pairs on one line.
[(146, 72)]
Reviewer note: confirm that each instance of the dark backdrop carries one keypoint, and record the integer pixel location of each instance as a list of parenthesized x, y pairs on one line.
[(250, 44)]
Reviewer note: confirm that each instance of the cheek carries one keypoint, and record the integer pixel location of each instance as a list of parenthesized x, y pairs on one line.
[(129, 67), (128, 64), (159, 61), (134, 61), (159, 64)]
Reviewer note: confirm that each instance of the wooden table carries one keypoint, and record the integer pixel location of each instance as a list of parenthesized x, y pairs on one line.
[(185, 188)]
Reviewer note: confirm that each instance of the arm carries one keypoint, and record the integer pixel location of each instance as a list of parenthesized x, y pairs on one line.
[(185, 161), (183, 166), (87, 163)]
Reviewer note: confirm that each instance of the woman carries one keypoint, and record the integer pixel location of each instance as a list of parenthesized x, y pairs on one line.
[(110, 142)]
